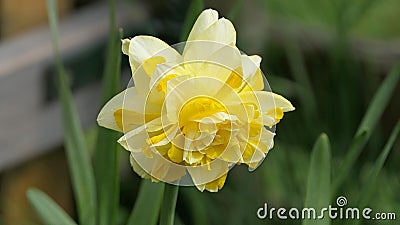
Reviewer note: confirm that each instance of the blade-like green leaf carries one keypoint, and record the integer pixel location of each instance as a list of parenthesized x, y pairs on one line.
[(319, 180), (368, 124), (49, 211), (380, 100), (371, 185), (148, 204), (369, 188), (76, 149), (167, 214), (355, 148), (105, 159), (194, 10)]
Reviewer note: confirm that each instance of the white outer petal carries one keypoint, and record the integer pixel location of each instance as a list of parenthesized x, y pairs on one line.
[(106, 115), (221, 31), (143, 47), (250, 64), (204, 21), (134, 140)]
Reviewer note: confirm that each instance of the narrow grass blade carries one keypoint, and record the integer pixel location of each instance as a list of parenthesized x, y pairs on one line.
[(49, 211), (353, 152), (319, 180), (167, 214), (368, 124), (106, 151), (148, 204), (380, 100), (76, 149), (369, 188), (194, 10)]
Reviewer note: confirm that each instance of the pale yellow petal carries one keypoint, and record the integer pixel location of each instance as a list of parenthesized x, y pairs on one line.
[(181, 91), (212, 59), (250, 65), (204, 21), (125, 46), (127, 110), (201, 175), (217, 184), (222, 31), (137, 168), (106, 116), (158, 168), (135, 140), (232, 153), (147, 52), (166, 171), (158, 81), (266, 100), (144, 47), (252, 155)]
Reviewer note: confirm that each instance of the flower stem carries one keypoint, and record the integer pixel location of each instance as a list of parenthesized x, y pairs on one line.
[(169, 204)]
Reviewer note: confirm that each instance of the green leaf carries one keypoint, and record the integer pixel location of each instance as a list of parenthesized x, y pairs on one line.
[(369, 188), (105, 159), (319, 180), (355, 149), (76, 149), (380, 100), (47, 209), (148, 204), (167, 215), (195, 8), (368, 124)]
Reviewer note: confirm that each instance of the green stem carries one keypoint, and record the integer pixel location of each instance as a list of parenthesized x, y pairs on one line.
[(169, 204)]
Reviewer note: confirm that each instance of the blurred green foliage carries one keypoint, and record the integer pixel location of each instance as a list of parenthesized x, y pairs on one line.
[(362, 17)]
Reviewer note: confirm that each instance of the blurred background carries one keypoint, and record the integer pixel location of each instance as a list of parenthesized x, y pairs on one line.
[(327, 57)]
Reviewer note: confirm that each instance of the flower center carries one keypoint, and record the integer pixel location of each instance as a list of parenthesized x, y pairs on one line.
[(198, 108)]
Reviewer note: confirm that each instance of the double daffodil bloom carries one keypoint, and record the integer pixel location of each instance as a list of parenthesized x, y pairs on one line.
[(196, 109)]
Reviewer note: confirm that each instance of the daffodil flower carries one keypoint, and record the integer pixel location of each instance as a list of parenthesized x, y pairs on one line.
[(196, 109)]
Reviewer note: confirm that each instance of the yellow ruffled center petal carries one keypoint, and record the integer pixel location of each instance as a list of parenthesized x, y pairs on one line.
[(276, 113), (235, 80), (162, 85), (175, 154), (217, 184), (198, 108), (150, 64)]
